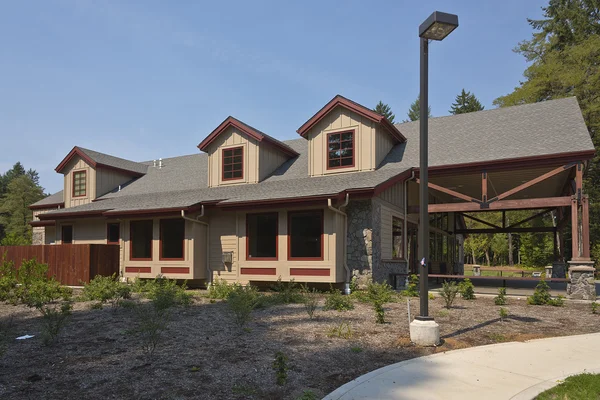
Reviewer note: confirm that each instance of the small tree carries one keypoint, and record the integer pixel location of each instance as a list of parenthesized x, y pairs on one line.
[(384, 110), (449, 292), (467, 290), (414, 112)]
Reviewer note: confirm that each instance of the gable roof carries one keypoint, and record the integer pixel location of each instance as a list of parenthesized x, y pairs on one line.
[(357, 108), (248, 131), (535, 133), (101, 160), (53, 201)]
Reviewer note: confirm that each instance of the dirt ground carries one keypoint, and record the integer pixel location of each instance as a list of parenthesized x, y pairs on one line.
[(204, 355)]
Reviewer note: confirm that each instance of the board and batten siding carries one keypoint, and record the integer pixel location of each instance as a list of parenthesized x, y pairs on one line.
[(383, 144), (77, 164), (108, 180), (270, 159), (394, 195), (228, 139)]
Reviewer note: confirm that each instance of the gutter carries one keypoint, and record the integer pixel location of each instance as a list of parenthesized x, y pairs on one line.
[(209, 271), (343, 214)]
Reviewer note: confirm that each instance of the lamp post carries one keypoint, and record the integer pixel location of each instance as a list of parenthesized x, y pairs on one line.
[(424, 330)]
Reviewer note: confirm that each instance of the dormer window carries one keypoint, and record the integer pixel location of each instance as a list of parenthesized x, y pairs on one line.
[(79, 184), (233, 163), (340, 149)]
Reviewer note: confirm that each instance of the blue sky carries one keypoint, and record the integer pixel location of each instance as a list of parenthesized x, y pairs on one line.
[(147, 79)]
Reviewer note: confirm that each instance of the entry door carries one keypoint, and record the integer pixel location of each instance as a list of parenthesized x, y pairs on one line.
[(413, 248)]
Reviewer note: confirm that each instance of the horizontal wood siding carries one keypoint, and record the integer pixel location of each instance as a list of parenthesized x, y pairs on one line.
[(70, 264)]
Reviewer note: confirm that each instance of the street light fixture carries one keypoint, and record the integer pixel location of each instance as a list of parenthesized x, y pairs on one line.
[(424, 330)]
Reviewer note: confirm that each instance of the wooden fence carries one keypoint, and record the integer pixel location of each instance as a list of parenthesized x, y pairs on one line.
[(70, 264)]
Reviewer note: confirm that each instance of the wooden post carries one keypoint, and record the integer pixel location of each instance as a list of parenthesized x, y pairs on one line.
[(484, 185), (555, 243), (574, 229), (579, 181), (585, 227)]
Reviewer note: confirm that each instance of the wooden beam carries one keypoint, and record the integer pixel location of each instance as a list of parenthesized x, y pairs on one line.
[(484, 186), (524, 204), (448, 191), (532, 182), (480, 220), (579, 181), (585, 226), (574, 229), (539, 229), (532, 217)]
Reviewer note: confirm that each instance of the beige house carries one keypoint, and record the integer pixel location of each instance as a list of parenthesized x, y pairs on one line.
[(341, 200)]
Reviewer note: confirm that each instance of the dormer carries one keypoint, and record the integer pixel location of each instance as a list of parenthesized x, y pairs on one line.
[(345, 136), (239, 154), (90, 174)]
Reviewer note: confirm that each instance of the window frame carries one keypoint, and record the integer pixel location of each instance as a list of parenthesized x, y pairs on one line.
[(276, 258), (223, 164), (131, 241), (62, 234), (402, 256), (75, 174), (327, 159), (108, 224), (289, 235), (160, 241)]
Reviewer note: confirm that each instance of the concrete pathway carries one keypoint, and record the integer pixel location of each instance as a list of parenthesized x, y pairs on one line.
[(515, 370)]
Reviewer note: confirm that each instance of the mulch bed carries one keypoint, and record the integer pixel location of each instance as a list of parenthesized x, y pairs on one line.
[(205, 355)]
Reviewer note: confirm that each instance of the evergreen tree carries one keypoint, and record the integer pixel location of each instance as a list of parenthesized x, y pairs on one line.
[(16, 171), (465, 102), (384, 110), (14, 207), (414, 112), (564, 53)]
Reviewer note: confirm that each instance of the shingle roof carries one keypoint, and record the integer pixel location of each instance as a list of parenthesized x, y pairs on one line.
[(116, 162), (54, 199), (551, 127)]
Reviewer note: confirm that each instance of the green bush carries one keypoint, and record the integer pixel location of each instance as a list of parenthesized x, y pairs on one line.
[(150, 324), (467, 290), (503, 313), (449, 292), (412, 290), (54, 317), (8, 280), (337, 301), (354, 284), (164, 293), (281, 368), (310, 300), (286, 293), (38, 293), (107, 289), (242, 301), (541, 295), (559, 301), (379, 294), (500, 300), (220, 289)]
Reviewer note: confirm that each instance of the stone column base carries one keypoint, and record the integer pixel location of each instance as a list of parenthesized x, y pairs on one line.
[(582, 285), (425, 333), (559, 269)]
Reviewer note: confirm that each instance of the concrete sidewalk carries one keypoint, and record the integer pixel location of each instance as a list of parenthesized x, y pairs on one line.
[(516, 370)]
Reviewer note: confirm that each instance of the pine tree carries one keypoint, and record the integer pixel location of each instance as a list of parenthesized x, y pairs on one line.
[(414, 112), (14, 207), (465, 102), (384, 110)]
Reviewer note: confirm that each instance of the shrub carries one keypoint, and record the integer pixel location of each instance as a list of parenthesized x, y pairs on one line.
[(541, 295), (286, 293), (500, 300), (54, 319), (467, 290), (379, 294), (219, 289), (431, 296), (150, 324), (8, 280), (34, 288), (342, 331), (354, 284), (449, 292), (503, 313), (242, 301), (559, 301), (308, 395), (164, 293), (595, 308), (337, 301), (280, 367), (412, 290), (310, 301), (107, 289)]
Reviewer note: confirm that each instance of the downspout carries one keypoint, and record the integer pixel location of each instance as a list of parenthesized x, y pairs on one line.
[(345, 216), (209, 271)]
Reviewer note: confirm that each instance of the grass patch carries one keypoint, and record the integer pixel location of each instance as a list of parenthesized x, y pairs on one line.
[(577, 387)]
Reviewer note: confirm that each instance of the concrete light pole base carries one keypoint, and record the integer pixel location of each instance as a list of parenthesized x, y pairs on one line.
[(425, 333)]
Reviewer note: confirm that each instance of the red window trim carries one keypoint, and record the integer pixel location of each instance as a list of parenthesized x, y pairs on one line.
[(223, 163), (353, 131), (276, 258), (160, 244), (62, 234), (289, 236), (131, 241), (107, 231), (75, 173)]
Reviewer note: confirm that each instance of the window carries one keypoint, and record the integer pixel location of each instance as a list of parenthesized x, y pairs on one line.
[(261, 236), (141, 240), (67, 234), (113, 233), (340, 150), (305, 235), (397, 247), (233, 163), (79, 186), (172, 236)]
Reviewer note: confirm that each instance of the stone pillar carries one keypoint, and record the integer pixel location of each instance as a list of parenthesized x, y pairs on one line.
[(549, 271), (559, 269), (582, 285), (476, 270)]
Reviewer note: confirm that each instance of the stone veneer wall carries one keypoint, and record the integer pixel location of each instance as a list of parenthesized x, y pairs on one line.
[(360, 237), (38, 234)]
